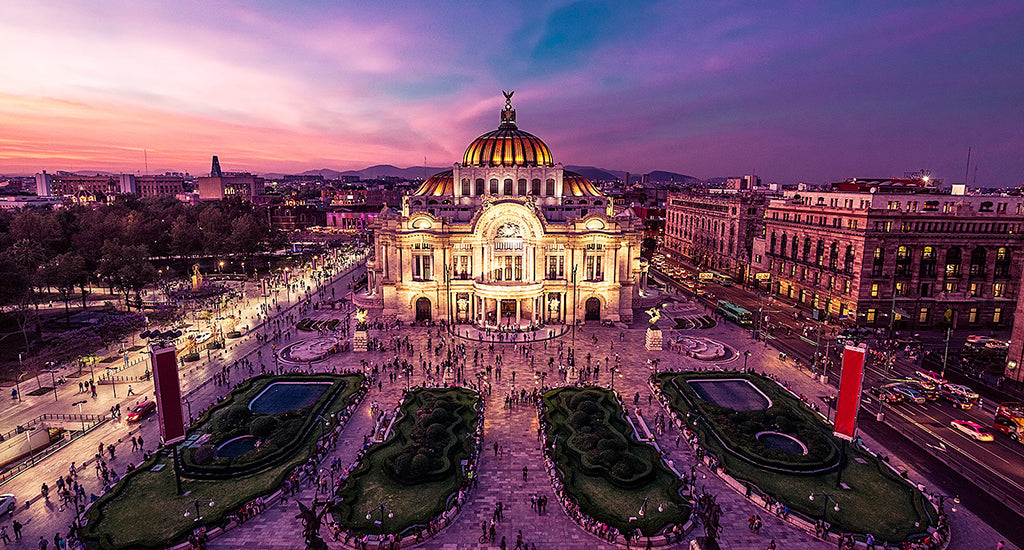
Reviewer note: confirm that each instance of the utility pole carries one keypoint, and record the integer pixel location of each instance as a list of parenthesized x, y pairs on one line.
[(945, 353)]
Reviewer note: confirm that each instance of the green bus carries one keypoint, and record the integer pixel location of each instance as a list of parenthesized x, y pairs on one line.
[(735, 313)]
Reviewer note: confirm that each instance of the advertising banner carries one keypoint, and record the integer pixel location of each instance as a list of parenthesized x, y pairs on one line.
[(168, 392), (848, 403)]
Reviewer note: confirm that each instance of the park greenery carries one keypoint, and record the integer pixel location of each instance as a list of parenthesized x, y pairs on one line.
[(125, 246), (412, 476), (877, 500), (275, 435), (605, 469), (144, 511)]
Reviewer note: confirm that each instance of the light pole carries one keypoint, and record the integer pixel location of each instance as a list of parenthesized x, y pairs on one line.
[(196, 504), (945, 354), (746, 354), (383, 507), (17, 380), (573, 348), (54, 380), (828, 498), (80, 415)]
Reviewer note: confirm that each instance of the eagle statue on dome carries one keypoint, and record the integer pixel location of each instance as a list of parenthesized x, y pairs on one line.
[(508, 115)]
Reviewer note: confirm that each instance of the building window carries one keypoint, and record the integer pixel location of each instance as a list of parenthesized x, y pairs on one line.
[(556, 267), (594, 271), (952, 286), (926, 290), (998, 290), (479, 187), (972, 316), (874, 290), (997, 315), (465, 186), (494, 186), (549, 187), (975, 290), (922, 317), (507, 188), (870, 316), (421, 267), (847, 286), (901, 288), (522, 187), (535, 187)]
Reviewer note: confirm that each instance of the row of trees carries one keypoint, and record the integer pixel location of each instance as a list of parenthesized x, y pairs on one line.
[(67, 250)]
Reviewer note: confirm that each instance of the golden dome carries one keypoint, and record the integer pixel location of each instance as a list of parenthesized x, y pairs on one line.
[(508, 145), (440, 184), (576, 185)]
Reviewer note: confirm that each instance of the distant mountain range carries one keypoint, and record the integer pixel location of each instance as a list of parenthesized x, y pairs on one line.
[(422, 172)]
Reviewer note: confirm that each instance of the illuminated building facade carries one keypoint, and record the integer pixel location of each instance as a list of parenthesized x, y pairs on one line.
[(505, 238)]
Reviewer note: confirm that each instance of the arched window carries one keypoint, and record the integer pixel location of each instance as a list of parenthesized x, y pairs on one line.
[(549, 187), (878, 262), (796, 248), (522, 187), (782, 247), (928, 261), (465, 186), (953, 258), (807, 249), (833, 255), (479, 187), (771, 245), (494, 186), (507, 187), (819, 253), (848, 261), (535, 185)]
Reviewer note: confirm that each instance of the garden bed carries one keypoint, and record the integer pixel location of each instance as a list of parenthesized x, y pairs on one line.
[(608, 473), (877, 501), (144, 511), (416, 472)]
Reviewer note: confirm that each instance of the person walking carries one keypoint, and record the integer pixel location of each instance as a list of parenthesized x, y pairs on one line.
[(3, 535), (524, 474)]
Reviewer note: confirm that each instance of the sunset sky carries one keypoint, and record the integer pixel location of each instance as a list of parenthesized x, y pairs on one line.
[(796, 91)]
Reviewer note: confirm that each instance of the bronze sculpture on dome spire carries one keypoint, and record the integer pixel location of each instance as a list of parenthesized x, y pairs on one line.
[(508, 115)]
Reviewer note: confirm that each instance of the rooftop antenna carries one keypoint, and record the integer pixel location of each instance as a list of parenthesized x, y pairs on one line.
[(975, 174), (145, 156), (967, 170)]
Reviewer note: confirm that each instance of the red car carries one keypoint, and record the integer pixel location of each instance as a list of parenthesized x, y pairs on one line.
[(140, 411)]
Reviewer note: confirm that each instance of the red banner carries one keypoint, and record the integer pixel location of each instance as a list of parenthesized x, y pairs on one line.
[(850, 381), (168, 393)]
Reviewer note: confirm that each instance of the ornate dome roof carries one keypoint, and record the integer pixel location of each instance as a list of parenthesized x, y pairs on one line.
[(440, 184), (576, 185), (508, 145)]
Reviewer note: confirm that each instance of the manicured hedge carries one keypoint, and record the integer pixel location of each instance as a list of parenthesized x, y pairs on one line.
[(738, 428)]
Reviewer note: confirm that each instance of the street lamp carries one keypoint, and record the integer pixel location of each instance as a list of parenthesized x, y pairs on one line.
[(383, 507), (746, 354), (942, 502), (828, 498), (80, 416), (17, 380), (196, 504), (220, 267)]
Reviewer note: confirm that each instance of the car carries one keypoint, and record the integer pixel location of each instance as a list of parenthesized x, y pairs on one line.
[(909, 394), (923, 382), (927, 391), (7, 503), (957, 400), (972, 429), (886, 394), (978, 340), (931, 375), (140, 411), (961, 390)]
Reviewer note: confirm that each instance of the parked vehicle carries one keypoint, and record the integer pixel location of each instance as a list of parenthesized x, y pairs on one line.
[(972, 429)]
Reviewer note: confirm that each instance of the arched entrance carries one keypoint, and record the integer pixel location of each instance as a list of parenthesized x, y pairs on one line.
[(423, 309), (593, 310)]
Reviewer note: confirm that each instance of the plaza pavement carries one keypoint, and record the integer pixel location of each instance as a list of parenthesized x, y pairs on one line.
[(500, 478)]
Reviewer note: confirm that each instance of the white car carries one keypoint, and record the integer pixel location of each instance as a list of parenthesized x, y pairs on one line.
[(962, 391), (972, 430), (7, 503)]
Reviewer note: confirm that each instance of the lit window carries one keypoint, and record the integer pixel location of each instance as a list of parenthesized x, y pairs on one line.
[(923, 316), (870, 316), (997, 315), (998, 289), (972, 316), (874, 290)]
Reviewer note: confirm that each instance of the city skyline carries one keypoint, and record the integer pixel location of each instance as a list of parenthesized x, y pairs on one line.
[(799, 92)]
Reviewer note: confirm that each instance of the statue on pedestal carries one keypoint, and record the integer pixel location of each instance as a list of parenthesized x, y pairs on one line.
[(311, 520)]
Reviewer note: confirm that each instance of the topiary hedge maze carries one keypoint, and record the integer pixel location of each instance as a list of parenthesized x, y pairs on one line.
[(604, 469), (418, 469)]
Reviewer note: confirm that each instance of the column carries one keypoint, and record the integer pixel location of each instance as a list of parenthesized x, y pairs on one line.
[(518, 310)]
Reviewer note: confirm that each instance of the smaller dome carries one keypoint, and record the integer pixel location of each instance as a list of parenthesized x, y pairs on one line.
[(440, 184), (576, 185)]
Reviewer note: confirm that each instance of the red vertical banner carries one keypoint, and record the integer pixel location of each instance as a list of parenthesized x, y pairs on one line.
[(848, 403), (168, 392)]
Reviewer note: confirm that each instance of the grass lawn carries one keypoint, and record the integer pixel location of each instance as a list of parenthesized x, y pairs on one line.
[(410, 504), (877, 501), (143, 511), (596, 494)]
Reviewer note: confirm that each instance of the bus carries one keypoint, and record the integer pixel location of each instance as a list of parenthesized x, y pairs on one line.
[(735, 313)]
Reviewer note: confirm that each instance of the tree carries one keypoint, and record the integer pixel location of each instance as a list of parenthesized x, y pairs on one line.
[(64, 273), (127, 269)]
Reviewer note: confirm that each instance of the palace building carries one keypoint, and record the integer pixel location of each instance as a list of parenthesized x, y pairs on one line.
[(505, 238)]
